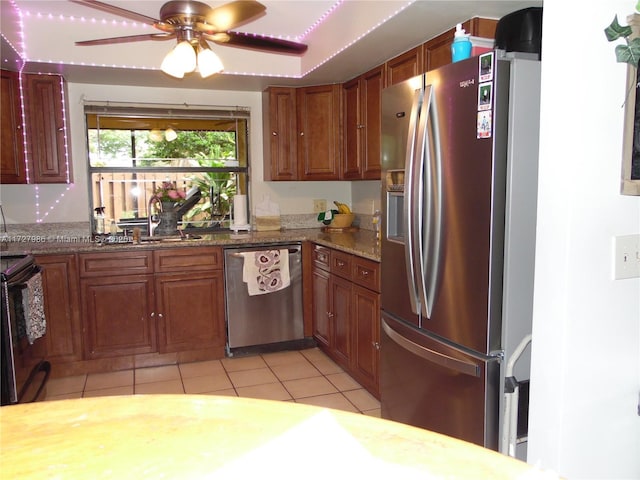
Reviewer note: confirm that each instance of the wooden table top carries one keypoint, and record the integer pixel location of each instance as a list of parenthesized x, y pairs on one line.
[(199, 436)]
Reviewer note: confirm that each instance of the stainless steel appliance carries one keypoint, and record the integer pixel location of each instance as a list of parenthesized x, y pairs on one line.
[(24, 370), (267, 319), (459, 182)]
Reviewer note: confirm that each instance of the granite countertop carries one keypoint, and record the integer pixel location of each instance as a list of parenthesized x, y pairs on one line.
[(362, 242)]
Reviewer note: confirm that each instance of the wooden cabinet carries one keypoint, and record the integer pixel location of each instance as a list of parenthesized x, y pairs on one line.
[(46, 134), (319, 122), (189, 288), (117, 295), (346, 312), (166, 301), (302, 133), (404, 66), (48, 146), (280, 134), (437, 51), (62, 307), (118, 315), (362, 107), (12, 166)]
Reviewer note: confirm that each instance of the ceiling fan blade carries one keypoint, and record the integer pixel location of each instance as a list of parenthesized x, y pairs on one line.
[(258, 42), (105, 7), (233, 14), (131, 38)]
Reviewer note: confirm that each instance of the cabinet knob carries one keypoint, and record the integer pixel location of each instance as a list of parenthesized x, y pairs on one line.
[(364, 273), (160, 315), (340, 263), (302, 134), (153, 314), (275, 134), (329, 314), (376, 345)]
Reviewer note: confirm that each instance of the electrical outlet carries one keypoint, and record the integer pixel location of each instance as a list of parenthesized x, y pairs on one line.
[(626, 262), (319, 205)]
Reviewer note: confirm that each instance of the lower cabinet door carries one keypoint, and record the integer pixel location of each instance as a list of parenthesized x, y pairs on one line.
[(118, 312), (190, 311), (321, 308), (366, 345), (341, 316)]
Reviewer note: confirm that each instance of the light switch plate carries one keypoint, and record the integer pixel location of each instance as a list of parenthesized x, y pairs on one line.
[(626, 260)]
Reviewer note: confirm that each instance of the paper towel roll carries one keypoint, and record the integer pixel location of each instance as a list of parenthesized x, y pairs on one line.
[(240, 210)]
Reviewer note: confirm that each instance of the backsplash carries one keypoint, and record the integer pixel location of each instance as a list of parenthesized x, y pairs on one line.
[(81, 231)]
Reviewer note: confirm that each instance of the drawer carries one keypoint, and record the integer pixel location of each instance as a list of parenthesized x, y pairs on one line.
[(341, 264), (321, 257), (366, 273), (115, 263), (193, 259)]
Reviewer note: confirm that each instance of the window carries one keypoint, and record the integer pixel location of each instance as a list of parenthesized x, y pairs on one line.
[(132, 151)]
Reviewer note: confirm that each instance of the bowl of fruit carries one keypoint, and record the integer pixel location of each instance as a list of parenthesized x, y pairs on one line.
[(344, 218)]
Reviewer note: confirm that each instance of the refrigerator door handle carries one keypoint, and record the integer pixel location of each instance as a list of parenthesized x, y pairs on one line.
[(412, 208), (467, 368), (431, 196)]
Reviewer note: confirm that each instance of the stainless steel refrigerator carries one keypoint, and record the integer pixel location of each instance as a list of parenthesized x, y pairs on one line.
[(459, 185)]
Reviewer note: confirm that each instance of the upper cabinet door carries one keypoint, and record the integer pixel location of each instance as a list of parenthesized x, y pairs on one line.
[(404, 66), (280, 134), (372, 85), (361, 139), (12, 166), (319, 132), (47, 142)]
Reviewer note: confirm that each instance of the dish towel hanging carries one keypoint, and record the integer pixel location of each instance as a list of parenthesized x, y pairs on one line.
[(266, 271), (29, 308)]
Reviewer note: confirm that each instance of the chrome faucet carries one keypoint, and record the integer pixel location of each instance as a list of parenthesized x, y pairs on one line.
[(151, 224)]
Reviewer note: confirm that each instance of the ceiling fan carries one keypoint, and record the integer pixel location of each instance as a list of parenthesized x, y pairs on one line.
[(193, 23)]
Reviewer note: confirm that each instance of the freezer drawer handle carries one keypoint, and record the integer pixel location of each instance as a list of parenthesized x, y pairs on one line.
[(468, 368)]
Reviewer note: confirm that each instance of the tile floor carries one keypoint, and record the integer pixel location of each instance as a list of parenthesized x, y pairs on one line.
[(305, 376)]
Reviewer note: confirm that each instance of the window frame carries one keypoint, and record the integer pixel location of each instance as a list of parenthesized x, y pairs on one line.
[(175, 113)]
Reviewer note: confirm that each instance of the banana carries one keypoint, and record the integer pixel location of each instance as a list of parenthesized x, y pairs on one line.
[(342, 208)]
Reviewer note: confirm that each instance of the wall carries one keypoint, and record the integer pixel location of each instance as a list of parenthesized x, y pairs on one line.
[(585, 379), (69, 203)]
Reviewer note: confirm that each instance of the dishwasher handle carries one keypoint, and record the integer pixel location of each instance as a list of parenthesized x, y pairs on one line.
[(241, 254)]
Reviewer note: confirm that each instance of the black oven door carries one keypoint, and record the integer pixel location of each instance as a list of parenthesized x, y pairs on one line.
[(24, 369)]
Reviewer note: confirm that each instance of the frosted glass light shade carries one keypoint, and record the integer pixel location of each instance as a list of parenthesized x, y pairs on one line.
[(208, 63), (180, 60), (171, 66)]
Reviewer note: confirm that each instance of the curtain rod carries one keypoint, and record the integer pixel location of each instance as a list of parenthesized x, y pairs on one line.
[(168, 106)]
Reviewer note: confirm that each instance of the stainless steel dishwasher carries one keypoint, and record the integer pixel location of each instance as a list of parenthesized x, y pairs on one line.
[(265, 319)]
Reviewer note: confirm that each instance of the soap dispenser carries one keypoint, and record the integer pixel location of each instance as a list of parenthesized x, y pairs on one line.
[(461, 46)]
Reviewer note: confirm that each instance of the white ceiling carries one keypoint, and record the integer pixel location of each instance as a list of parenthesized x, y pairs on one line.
[(345, 38)]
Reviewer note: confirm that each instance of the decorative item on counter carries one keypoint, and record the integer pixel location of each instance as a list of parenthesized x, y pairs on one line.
[(267, 215), (239, 214), (461, 46), (326, 217), (170, 197), (376, 223), (99, 219)]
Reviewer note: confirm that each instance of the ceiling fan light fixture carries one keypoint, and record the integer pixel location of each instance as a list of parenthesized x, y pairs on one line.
[(171, 65), (186, 55), (208, 62)]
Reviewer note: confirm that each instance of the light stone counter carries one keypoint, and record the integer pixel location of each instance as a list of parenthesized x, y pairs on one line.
[(203, 436)]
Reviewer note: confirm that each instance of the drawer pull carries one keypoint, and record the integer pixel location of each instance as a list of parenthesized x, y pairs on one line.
[(340, 263)]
